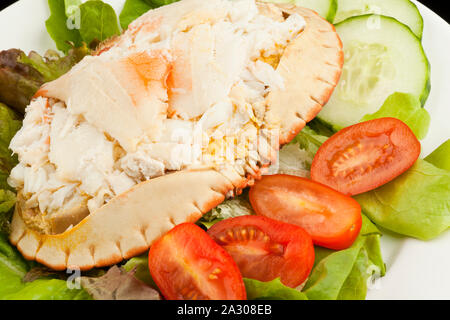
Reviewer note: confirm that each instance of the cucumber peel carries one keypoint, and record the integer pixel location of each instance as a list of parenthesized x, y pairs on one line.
[(404, 11)]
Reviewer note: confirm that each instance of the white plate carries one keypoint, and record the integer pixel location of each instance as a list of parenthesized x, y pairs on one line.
[(415, 269)]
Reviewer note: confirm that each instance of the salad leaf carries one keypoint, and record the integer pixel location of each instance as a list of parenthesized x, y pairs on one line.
[(441, 156), (98, 22), (140, 266), (296, 157), (7, 202), (294, 161), (59, 28), (355, 286), (21, 75), (72, 23), (235, 207), (46, 289), (159, 3), (344, 274), (416, 204), (321, 128), (52, 65), (70, 6), (39, 272), (309, 140), (118, 284), (18, 81), (272, 290), (132, 10), (405, 107), (13, 268), (9, 125)]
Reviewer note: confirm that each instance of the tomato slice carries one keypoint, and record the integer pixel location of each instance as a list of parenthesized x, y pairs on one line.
[(365, 156), (265, 249), (186, 264), (332, 219)]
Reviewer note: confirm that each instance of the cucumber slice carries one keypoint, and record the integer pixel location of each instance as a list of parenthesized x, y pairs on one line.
[(325, 8), (382, 56), (403, 10)]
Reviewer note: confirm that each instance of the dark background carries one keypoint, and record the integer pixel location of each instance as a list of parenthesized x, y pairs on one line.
[(438, 6)]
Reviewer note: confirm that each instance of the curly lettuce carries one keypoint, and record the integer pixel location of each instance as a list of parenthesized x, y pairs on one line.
[(18, 81), (22, 75), (235, 207)]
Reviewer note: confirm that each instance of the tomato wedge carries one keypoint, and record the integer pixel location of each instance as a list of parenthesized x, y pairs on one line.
[(365, 156), (332, 219), (265, 249), (186, 264)]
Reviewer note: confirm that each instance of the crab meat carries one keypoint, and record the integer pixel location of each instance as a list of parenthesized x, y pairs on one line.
[(184, 86), (280, 88)]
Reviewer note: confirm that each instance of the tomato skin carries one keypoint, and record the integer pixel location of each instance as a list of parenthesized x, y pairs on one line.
[(186, 264), (265, 249), (366, 156), (332, 219)]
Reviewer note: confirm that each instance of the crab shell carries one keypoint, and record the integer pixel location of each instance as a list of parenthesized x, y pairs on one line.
[(128, 224)]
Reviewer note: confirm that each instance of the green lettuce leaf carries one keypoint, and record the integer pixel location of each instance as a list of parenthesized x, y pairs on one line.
[(345, 274), (13, 268), (70, 6), (272, 290), (441, 156), (405, 107), (57, 27), (73, 23), (132, 10), (355, 286), (98, 22), (320, 128), (160, 3), (416, 204), (46, 289)]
